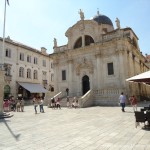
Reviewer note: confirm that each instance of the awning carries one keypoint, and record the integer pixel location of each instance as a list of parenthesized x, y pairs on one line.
[(143, 77), (33, 87)]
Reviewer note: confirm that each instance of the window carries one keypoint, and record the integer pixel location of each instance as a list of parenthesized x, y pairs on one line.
[(104, 30), (88, 40), (63, 74), (110, 69), (21, 56), (44, 63), (8, 53), (44, 77), (21, 72), (28, 73), (35, 74), (29, 58), (78, 43), (35, 60)]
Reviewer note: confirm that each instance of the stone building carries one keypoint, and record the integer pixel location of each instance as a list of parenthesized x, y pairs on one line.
[(28, 71), (97, 60), (147, 60)]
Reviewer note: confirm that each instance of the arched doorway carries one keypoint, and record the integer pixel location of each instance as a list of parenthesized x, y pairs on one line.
[(6, 91), (85, 84)]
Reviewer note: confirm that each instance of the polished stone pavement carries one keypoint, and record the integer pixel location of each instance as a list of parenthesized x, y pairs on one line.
[(93, 128)]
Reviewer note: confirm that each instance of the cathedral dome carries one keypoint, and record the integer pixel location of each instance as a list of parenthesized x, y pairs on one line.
[(102, 19)]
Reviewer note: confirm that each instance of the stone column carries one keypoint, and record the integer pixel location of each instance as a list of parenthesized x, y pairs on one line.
[(83, 40), (70, 75), (2, 82), (99, 72), (56, 90), (122, 68)]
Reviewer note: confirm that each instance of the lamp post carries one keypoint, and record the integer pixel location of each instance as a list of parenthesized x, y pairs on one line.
[(2, 70)]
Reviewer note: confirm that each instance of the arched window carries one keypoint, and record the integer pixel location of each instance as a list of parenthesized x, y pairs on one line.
[(35, 74), (21, 72), (78, 43), (28, 73), (88, 40), (6, 91)]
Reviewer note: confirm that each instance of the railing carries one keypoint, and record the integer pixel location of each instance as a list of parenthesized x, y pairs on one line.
[(44, 82), (110, 36), (61, 49), (108, 91), (8, 77), (86, 100), (57, 95)]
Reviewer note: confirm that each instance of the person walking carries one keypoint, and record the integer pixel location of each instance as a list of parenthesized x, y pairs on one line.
[(41, 105), (35, 103), (67, 91), (22, 104), (18, 105), (133, 102), (122, 99)]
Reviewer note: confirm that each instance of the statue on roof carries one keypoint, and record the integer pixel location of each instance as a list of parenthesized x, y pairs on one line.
[(98, 12), (117, 23), (55, 42), (81, 14)]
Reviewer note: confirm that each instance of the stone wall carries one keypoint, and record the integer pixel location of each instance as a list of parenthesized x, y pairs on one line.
[(1, 90)]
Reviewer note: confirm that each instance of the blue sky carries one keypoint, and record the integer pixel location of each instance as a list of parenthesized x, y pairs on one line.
[(37, 22)]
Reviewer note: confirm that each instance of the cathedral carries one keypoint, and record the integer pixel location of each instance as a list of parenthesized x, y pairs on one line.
[(97, 60)]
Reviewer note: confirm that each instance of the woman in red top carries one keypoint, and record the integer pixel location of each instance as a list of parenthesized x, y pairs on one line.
[(6, 105), (133, 101)]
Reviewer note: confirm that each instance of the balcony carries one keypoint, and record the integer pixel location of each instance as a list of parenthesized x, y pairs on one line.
[(8, 77), (44, 82)]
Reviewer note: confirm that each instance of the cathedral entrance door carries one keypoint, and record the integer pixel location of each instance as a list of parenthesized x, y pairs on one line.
[(85, 84)]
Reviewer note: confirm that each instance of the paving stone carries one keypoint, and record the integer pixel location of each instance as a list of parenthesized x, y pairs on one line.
[(93, 128)]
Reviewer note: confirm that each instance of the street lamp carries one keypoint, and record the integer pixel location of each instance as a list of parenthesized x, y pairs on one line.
[(2, 70)]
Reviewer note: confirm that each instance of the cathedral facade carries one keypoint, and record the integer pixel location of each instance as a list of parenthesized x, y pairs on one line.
[(97, 60)]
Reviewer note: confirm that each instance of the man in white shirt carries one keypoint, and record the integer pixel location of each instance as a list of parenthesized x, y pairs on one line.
[(122, 99)]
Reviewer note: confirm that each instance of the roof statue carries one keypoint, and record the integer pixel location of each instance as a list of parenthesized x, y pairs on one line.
[(55, 42), (81, 14), (117, 23), (98, 12)]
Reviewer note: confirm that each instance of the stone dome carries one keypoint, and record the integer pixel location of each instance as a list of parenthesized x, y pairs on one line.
[(102, 19)]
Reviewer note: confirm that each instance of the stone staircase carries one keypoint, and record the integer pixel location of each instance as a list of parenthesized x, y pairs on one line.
[(101, 97)]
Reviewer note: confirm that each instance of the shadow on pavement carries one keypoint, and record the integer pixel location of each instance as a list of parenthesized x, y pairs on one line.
[(16, 136)]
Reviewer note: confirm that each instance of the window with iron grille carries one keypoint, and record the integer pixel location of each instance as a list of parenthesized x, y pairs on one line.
[(63, 74), (21, 56), (110, 68), (8, 53)]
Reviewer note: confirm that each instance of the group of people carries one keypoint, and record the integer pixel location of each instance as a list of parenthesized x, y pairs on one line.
[(55, 103), (12, 104), (73, 104), (132, 99), (38, 101)]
